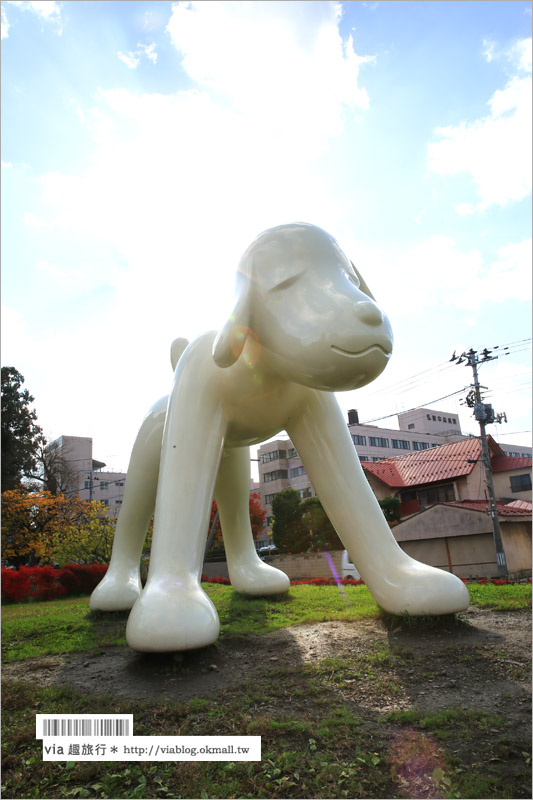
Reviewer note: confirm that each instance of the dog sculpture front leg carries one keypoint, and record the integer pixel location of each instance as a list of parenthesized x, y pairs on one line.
[(248, 574), (396, 581), (173, 612), (121, 585)]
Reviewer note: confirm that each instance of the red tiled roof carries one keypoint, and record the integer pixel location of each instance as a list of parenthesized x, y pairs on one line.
[(445, 462), (525, 505), (507, 463), (503, 509), (428, 466)]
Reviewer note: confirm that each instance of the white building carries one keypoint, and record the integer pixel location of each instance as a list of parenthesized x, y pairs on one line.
[(87, 476)]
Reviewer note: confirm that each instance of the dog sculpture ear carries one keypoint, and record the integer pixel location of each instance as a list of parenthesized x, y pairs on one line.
[(362, 284), (177, 349), (231, 338)]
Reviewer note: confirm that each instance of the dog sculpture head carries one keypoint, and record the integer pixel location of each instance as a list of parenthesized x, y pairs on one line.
[(308, 310)]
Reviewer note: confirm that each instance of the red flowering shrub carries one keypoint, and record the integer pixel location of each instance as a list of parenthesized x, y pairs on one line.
[(16, 585), (48, 583)]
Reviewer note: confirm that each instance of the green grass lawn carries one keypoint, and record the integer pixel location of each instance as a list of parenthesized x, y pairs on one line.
[(62, 626), (317, 740)]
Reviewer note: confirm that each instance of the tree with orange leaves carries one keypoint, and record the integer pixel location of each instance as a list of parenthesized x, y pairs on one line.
[(38, 527)]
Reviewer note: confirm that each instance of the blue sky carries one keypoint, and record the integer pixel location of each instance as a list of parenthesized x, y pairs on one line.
[(144, 145)]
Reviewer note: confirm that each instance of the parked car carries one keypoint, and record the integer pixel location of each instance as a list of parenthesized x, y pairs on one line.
[(348, 569), (268, 550)]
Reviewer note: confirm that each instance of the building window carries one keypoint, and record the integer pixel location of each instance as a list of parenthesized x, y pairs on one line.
[(105, 502), (358, 439), (420, 446), (277, 474), (87, 485), (377, 441), (269, 521), (521, 483), (428, 416), (434, 418), (379, 458), (363, 458), (269, 498), (119, 502), (292, 452), (304, 493), (411, 426), (454, 421), (296, 471), (274, 455), (436, 494), (400, 444), (104, 485), (119, 483)]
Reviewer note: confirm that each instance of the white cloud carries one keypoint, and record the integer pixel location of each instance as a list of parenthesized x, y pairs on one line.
[(510, 277), (496, 149), (5, 24), (47, 10), (133, 58), (283, 64), (439, 273), (34, 222)]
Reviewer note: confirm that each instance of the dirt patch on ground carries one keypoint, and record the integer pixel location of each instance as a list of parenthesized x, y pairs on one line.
[(482, 661)]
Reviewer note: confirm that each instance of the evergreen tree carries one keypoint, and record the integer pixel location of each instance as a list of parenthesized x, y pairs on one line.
[(288, 531), (315, 520), (21, 436)]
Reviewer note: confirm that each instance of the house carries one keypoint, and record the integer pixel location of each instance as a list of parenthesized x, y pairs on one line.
[(446, 519), (451, 472)]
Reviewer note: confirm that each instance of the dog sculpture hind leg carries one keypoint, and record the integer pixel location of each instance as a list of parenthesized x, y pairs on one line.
[(121, 586)]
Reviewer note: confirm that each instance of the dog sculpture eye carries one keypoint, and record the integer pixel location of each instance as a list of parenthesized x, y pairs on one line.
[(286, 283)]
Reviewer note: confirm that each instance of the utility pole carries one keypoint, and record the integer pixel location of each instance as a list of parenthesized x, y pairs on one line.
[(484, 414)]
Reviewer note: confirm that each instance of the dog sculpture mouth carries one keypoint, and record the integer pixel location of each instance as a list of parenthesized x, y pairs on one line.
[(360, 353)]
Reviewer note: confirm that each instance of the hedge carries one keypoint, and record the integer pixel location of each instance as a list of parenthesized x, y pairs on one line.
[(49, 583)]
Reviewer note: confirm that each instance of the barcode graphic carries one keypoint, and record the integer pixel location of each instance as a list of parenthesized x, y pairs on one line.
[(86, 727)]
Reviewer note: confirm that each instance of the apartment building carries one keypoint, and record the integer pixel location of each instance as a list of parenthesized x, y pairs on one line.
[(86, 475), (280, 467)]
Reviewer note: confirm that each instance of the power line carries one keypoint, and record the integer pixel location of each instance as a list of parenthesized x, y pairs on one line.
[(415, 408)]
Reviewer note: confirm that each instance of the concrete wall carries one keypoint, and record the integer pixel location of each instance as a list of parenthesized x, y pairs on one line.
[(215, 569), (307, 565), (302, 565), (465, 556), (517, 545)]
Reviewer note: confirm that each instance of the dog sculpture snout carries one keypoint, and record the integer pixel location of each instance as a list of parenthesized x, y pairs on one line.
[(369, 313)]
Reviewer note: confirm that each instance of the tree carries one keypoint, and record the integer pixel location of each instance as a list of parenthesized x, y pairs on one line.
[(30, 520), (288, 531), (88, 539), (55, 472), (257, 519), (315, 520), (391, 508), (21, 436)]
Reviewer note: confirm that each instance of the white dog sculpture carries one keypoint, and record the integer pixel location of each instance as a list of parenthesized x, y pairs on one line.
[(304, 325)]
